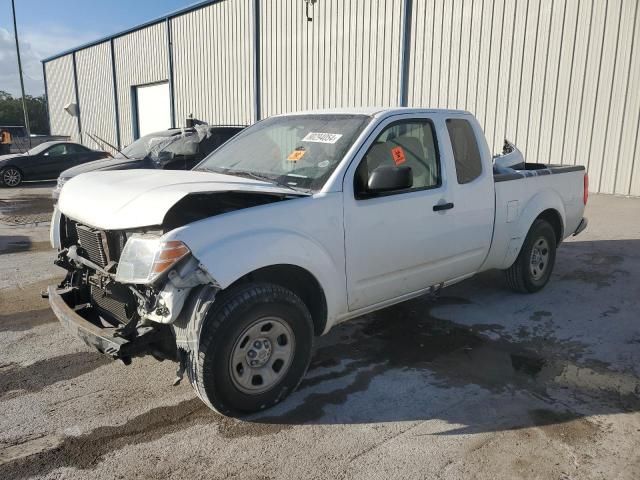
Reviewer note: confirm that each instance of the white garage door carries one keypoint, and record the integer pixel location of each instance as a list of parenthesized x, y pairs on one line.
[(153, 108)]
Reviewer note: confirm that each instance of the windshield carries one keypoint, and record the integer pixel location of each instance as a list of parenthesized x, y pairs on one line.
[(162, 146), (299, 151)]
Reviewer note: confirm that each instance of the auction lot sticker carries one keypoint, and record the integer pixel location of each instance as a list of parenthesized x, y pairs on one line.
[(319, 137)]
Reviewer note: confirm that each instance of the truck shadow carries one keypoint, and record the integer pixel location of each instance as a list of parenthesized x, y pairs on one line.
[(17, 380), (462, 359), (415, 360)]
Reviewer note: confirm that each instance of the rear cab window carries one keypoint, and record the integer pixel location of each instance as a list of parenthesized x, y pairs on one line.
[(465, 150)]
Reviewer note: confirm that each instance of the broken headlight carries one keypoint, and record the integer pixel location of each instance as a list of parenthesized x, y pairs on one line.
[(146, 257)]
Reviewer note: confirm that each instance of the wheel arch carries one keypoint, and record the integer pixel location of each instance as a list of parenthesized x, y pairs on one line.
[(553, 217), (301, 282), (548, 205)]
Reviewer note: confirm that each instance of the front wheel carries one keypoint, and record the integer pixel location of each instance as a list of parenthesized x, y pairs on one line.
[(254, 349), (532, 269), (11, 177)]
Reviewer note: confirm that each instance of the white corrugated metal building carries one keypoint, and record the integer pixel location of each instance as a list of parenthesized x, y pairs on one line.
[(558, 77)]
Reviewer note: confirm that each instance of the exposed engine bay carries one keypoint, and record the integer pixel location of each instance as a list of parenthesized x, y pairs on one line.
[(109, 284)]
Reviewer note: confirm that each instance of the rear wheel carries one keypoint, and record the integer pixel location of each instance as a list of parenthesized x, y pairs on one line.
[(532, 269), (254, 349), (11, 177)]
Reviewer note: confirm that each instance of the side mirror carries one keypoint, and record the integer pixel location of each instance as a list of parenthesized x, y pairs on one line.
[(388, 178), (45, 154)]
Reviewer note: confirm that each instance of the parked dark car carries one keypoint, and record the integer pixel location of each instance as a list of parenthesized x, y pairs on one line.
[(173, 149), (44, 162)]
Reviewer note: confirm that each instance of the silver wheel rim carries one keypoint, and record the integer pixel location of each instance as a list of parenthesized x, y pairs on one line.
[(11, 177), (262, 355), (539, 258)]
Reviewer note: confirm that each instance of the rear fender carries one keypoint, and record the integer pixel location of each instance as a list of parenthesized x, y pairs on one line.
[(544, 200)]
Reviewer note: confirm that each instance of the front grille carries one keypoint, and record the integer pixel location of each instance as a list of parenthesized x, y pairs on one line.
[(116, 301), (91, 242)]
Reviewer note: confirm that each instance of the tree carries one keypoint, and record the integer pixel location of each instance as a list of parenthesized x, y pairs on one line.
[(11, 112)]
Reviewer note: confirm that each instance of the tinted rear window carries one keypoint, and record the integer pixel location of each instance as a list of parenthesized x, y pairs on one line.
[(465, 150)]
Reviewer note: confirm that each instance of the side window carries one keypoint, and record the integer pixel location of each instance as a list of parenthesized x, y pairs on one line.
[(71, 148), (465, 150), (411, 143), (57, 150)]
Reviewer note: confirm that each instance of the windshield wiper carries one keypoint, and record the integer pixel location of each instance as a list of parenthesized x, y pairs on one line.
[(261, 177), (258, 176)]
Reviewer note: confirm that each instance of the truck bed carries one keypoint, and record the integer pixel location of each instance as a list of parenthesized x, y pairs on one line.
[(520, 194), (532, 170)]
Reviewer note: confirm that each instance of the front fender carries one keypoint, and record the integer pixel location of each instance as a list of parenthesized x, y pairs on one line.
[(229, 258)]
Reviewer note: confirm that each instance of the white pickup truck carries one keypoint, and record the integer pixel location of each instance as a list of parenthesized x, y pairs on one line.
[(298, 223)]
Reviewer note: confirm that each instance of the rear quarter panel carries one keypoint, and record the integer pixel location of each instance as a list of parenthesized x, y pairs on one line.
[(519, 202)]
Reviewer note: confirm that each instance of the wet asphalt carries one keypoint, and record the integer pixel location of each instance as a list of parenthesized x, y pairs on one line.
[(478, 382)]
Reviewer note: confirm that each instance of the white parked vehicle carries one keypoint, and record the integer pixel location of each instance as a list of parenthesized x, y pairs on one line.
[(298, 223)]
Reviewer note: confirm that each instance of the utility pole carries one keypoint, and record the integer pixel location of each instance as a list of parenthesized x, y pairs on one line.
[(24, 102)]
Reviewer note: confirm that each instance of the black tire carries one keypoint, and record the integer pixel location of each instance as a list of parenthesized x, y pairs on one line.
[(11, 177), (522, 276), (234, 311)]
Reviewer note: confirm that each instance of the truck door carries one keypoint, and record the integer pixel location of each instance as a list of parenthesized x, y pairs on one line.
[(471, 191), (403, 241)]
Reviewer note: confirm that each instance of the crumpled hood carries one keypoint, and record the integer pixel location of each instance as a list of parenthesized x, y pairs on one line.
[(124, 199), (103, 164)]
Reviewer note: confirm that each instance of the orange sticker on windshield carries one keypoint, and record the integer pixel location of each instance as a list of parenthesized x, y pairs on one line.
[(296, 155), (398, 155)]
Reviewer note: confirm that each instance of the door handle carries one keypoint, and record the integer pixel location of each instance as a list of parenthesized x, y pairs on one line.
[(442, 206)]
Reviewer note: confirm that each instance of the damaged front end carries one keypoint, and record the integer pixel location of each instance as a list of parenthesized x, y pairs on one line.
[(124, 289)]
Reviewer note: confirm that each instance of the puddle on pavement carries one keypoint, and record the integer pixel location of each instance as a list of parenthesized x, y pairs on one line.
[(602, 270), (409, 337), (597, 258), (19, 244), (26, 210), (26, 205), (594, 277)]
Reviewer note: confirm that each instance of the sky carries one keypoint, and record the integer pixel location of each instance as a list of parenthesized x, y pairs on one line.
[(47, 27)]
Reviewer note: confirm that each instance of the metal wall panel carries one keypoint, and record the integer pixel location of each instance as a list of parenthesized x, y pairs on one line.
[(141, 58), (627, 177), (349, 55), (557, 77), (213, 63), (95, 90), (61, 91)]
